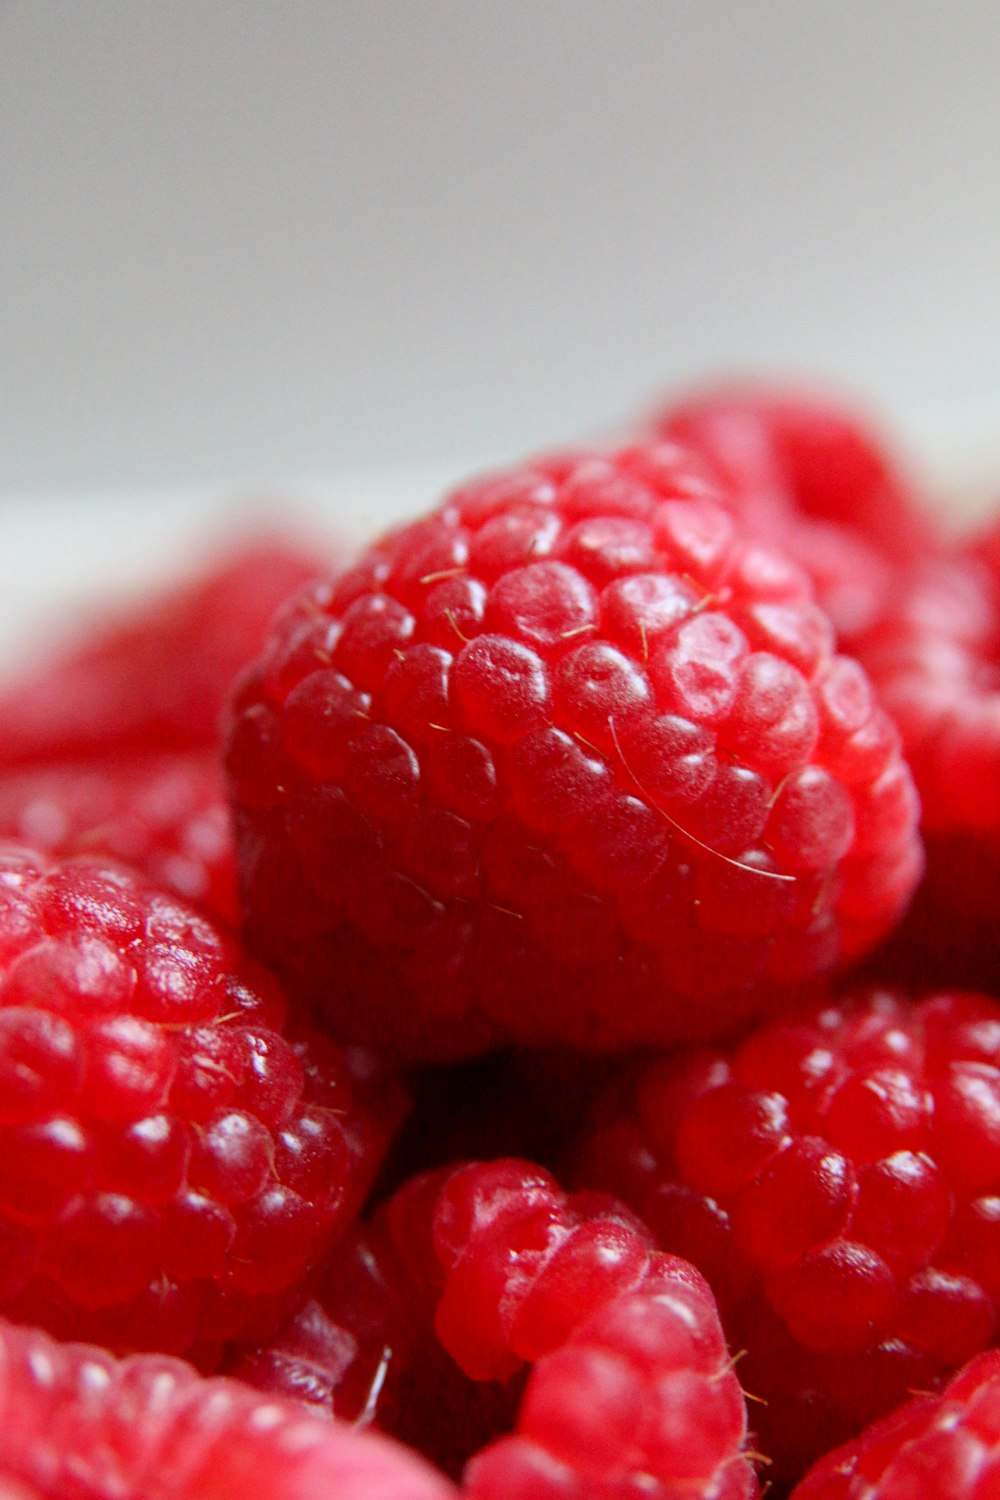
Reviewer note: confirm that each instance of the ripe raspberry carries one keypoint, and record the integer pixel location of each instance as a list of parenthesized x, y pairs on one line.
[(567, 760), (157, 677), (165, 815), (345, 1350), (944, 1447), (363, 1349), (631, 1387), (803, 469), (836, 1177), (171, 1165), (75, 1421), (935, 657)]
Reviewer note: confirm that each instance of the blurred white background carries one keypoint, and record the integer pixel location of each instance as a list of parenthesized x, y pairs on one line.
[(364, 244), (268, 238)]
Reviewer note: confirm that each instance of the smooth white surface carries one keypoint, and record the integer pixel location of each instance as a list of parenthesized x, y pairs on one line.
[(250, 239)]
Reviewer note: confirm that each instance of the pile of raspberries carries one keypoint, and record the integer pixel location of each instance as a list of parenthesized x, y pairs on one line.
[(513, 1014)]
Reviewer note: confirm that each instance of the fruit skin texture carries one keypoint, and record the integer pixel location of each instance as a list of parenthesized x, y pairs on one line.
[(802, 467), (836, 1178), (630, 1389), (568, 760), (171, 1163), (156, 676), (934, 654), (363, 1349), (164, 814), (941, 1447), (76, 1421)]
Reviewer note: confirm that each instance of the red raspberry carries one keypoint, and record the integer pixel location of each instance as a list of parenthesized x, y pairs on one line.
[(165, 815), (75, 1421), (363, 1349), (935, 657), (156, 677), (347, 1348), (171, 1164), (806, 470), (631, 1387), (836, 1177), (944, 1447), (568, 760)]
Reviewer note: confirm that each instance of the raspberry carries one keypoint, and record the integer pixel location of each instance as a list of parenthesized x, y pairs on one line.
[(935, 658), (836, 1177), (171, 1164), (630, 1388), (76, 1421), (347, 1348), (934, 1446), (935, 655), (363, 1349), (567, 761), (165, 815), (156, 677), (803, 469)]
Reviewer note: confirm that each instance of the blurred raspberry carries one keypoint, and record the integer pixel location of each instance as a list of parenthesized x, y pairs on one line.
[(568, 760), (805, 469), (74, 1421), (172, 1164), (836, 1177), (934, 655), (944, 1447), (155, 677), (163, 814)]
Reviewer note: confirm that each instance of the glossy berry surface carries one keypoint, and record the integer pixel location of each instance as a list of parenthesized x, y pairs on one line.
[(630, 1388), (346, 1349), (804, 468), (171, 1164), (944, 1447), (164, 814), (936, 657), (567, 760), (836, 1177), (156, 676), (934, 654), (363, 1348), (74, 1421)]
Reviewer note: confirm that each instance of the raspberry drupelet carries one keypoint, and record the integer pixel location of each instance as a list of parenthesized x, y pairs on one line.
[(836, 1177), (171, 1163), (569, 760), (944, 1447), (630, 1389), (76, 1421), (155, 676), (164, 814)]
